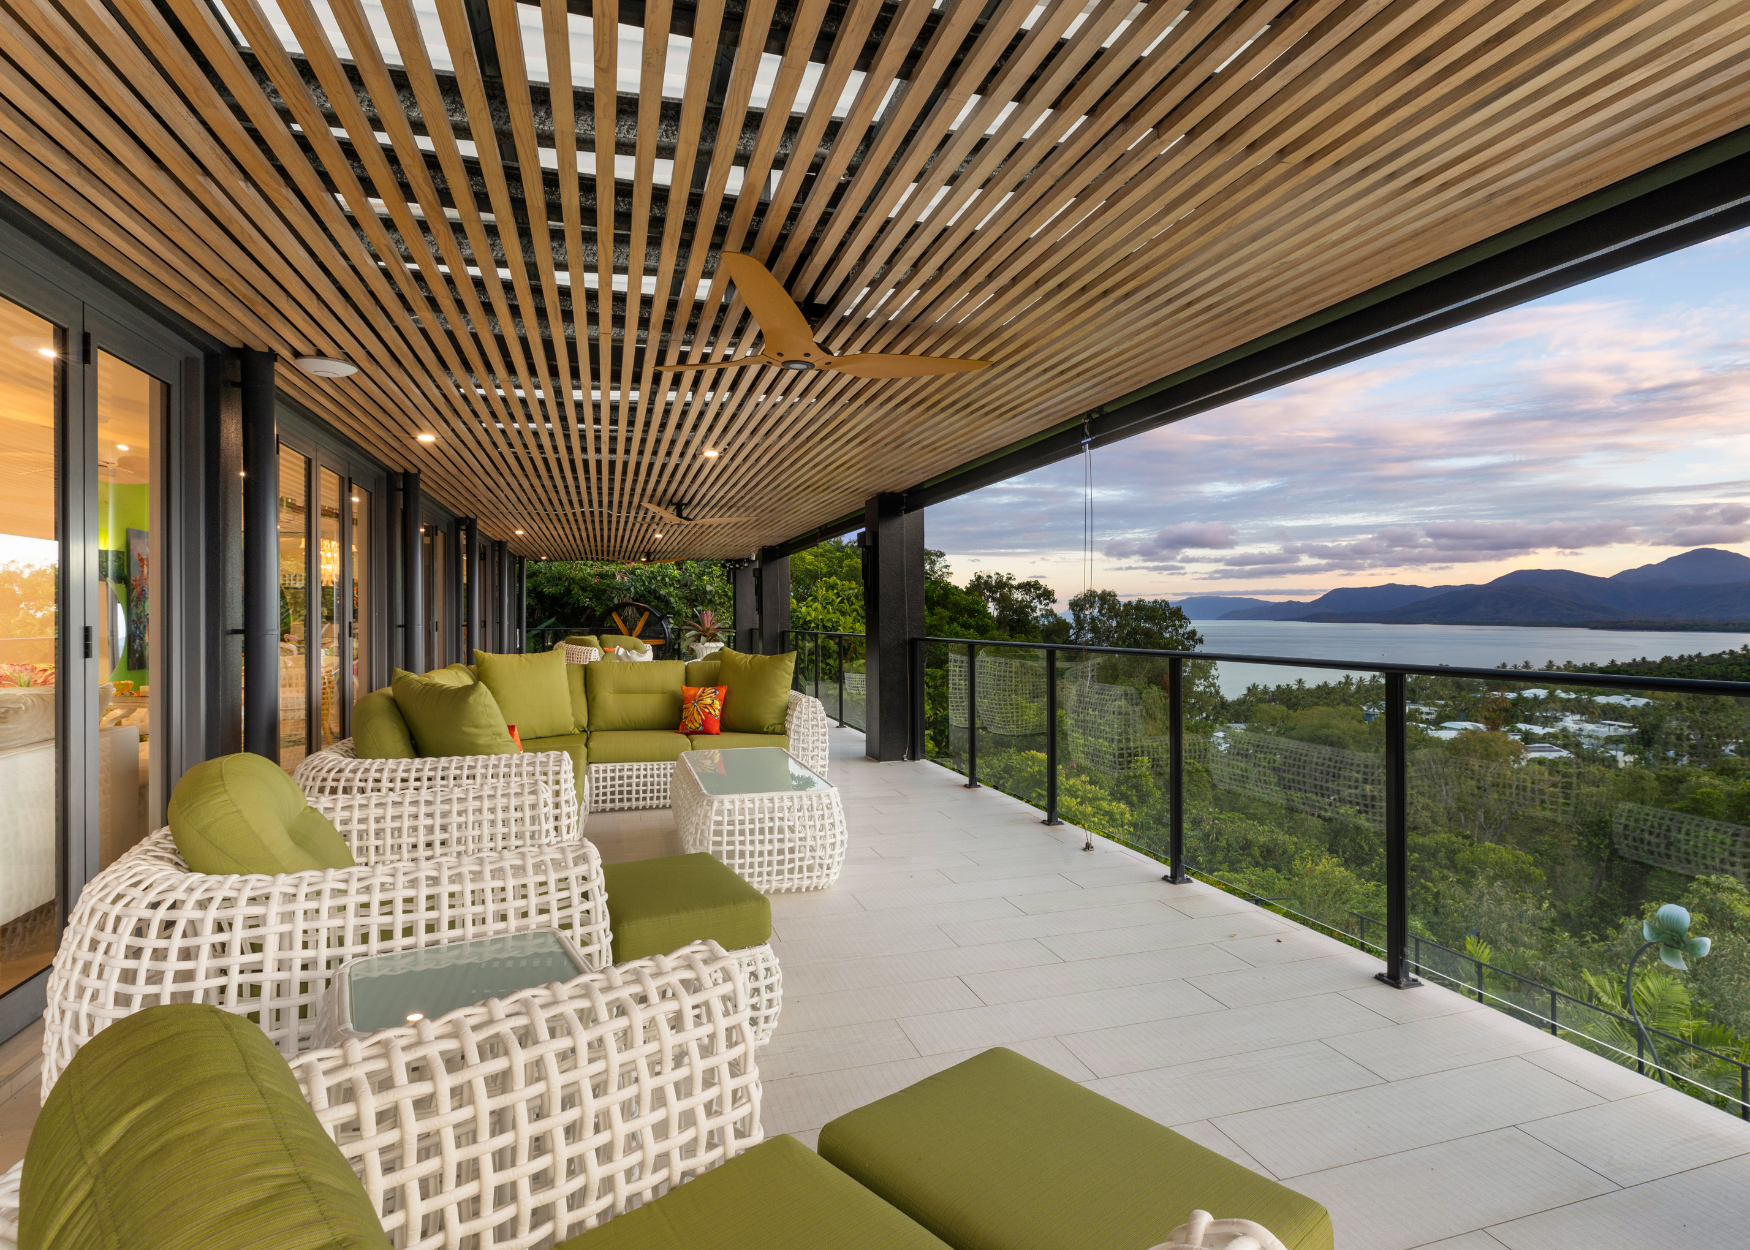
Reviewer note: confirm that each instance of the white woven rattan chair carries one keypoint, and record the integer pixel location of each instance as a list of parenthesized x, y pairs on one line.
[(632, 786), (336, 772), (525, 1121), (146, 930)]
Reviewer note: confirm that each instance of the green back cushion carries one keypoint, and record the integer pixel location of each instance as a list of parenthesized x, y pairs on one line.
[(759, 691), (702, 672), (634, 696), (585, 640), (610, 641), (976, 1154), (778, 1196), (452, 720), (531, 691), (450, 675), (574, 688), (659, 905), (243, 814), (379, 731), (180, 1127)]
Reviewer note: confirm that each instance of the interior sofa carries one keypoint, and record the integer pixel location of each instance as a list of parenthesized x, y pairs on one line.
[(617, 720), (378, 1144)]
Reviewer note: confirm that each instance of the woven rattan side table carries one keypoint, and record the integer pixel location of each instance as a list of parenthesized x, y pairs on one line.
[(772, 819)]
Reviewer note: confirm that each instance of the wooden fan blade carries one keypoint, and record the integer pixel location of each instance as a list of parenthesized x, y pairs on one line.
[(664, 513), (787, 332), (888, 365)]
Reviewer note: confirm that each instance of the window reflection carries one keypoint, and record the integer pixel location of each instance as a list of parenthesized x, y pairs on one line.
[(294, 525)]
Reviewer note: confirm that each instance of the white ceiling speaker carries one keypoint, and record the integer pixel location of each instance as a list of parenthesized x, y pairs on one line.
[(325, 367)]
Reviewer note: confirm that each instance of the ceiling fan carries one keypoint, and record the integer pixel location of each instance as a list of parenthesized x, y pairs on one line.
[(790, 339), (676, 516)]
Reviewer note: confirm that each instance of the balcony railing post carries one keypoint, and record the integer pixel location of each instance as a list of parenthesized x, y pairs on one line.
[(1397, 868), (971, 716), (1176, 772), (918, 749), (840, 639), (817, 667), (1051, 737)]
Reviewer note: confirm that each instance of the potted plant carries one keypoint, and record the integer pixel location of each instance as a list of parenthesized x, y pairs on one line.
[(703, 634)]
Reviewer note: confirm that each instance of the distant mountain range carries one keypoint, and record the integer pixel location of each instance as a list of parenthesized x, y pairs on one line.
[(1704, 586)]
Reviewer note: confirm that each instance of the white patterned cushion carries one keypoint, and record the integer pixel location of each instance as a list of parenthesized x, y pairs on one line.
[(625, 653), (578, 655)]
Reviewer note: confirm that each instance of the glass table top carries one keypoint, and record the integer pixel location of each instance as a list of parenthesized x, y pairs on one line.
[(751, 770), (385, 991)]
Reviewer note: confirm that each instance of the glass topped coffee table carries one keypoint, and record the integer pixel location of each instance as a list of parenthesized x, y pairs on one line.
[(390, 991), (775, 821)]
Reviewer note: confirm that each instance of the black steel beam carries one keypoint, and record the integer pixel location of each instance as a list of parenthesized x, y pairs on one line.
[(1687, 200)]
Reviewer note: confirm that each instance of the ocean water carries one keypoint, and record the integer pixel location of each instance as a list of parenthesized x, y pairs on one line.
[(1472, 646)]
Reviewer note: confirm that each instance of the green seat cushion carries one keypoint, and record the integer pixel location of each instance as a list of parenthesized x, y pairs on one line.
[(532, 692), (243, 814), (659, 905), (636, 746), (702, 742), (983, 1155), (584, 640), (379, 731), (758, 688), (577, 745), (778, 1196), (702, 672), (180, 1127), (634, 696), (610, 641), (579, 696), (448, 719)]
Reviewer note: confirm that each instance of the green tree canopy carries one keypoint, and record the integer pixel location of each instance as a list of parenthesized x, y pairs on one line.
[(1020, 608), (575, 593), (1099, 618)]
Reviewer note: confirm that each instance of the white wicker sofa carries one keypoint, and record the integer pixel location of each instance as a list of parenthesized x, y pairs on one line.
[(611, 787)]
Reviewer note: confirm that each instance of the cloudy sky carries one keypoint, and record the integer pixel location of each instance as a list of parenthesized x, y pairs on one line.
[(1601, 428)]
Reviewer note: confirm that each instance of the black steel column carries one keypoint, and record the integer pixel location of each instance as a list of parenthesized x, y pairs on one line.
[(1051, 737), (501, 592), (917, 746), (1397, 852), (774, 590), (261, 558), (412, 576), (1176, 772), (893, 609), (971, 717), (745, 628)]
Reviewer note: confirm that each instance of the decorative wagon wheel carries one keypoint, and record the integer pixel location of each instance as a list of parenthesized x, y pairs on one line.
[(636, 620)]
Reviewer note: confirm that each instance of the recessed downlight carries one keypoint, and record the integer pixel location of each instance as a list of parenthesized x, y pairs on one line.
[(710, 453), (426, 438), (516, 531)]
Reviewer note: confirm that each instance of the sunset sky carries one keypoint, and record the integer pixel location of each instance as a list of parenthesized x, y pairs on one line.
[(1601, 428)]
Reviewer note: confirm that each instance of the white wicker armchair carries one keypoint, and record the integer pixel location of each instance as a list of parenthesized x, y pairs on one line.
[(146, 930), (630, 786), (336, 772), (540, 1115), (525, 1121)]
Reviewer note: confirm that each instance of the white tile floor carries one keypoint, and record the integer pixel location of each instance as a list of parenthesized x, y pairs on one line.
[(1417, 1117)]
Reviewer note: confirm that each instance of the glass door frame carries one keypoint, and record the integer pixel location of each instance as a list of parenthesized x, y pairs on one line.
[(353, 471), (188, 621)]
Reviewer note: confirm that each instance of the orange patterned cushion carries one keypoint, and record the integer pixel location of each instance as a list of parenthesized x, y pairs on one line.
[(702, 709)]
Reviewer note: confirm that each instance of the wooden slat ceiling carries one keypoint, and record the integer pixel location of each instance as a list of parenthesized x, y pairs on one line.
[(1091, 194)]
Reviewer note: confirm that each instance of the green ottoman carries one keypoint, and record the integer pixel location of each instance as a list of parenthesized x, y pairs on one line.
[(778, 1196), (1001, 1153), (659, 905)]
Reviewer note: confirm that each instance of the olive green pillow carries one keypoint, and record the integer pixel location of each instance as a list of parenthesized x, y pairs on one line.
[(634, 696), (758, 686), (243, 814), (180, 1127), (610, 641), (584, 640), (574, 686), (452, 720), (379, 731), (532, 691), (450, 675), (702, 672)]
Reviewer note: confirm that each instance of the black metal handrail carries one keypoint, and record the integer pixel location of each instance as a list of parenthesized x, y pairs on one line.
[(787, 639)]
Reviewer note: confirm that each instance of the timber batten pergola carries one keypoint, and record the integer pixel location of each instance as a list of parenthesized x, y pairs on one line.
[(1094, 196)]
